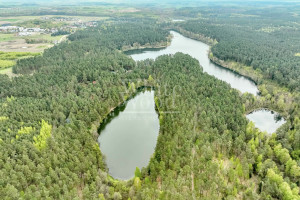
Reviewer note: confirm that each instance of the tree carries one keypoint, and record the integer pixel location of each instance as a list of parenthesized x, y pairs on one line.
[(45, 133), (137, 173)]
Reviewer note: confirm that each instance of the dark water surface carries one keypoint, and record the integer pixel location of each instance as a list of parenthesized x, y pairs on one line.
[(128, 136)]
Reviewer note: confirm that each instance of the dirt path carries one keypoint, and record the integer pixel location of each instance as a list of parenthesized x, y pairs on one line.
[(63, 38)]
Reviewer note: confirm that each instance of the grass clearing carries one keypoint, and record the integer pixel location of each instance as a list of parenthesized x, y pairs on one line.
[(6, 63), (6, 71), (15, 55), (7, 37), (9, 59), (20, 45), (11, 20)]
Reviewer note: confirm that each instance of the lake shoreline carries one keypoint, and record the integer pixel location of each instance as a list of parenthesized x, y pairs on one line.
[(220, 69), (113, 125), (200, 51), (222, 63), (226, 65), (159, 45), (266, 120)]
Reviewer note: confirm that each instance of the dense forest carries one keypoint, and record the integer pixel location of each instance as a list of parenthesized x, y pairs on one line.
[(269, 45), (49, 117), (209, 150), (206, 149), (264, 46)]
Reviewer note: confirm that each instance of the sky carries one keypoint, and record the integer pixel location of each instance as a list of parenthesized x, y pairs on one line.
[(66, 2)]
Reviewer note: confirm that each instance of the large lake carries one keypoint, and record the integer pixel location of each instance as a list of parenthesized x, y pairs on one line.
[(198, 50), (128, 136)]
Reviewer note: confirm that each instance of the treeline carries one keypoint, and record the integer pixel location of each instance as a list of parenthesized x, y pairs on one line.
[(150, 32), (8, 59), (60, 32), (105, 37), (36, 41), (269, 49)]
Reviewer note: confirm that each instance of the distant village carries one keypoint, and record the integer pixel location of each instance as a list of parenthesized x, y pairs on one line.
[(25, 31)]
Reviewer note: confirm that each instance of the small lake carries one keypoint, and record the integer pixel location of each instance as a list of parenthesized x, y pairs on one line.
[(266, 120), (198, 50), (128, 136)]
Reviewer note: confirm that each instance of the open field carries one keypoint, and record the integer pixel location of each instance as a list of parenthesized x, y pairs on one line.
[(46, 37), (7, 37), (13, 20), (37, 42), (6, 63), (20, 45), (9, 59)]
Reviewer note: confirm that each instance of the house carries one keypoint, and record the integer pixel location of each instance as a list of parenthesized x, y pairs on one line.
[(9, 29), (24, 33)]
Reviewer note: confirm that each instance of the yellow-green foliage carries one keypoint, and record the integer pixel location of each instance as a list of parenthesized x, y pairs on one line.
[(150, 79), (101, 196), (131, 87), (297, 54), (15, 55), (45, 133), (8, 59), (6, 63), (24, 131), (137, 183), (291, 166), (10, 99), (284, 187), (3, 118)]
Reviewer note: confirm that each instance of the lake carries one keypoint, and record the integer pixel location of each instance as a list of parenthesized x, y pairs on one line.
[(198, 50), (266, 120), (128, 136)]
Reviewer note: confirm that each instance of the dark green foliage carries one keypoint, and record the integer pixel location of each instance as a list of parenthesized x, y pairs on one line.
[(89, 43), (205, 148), (268, 45), (199, 116), (60, 32), (72, 88)]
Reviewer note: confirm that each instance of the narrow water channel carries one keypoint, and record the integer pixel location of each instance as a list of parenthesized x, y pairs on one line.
[(128, 136), (198, 50)]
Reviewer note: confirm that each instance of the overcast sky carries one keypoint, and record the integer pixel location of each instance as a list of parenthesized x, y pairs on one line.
[(60, 2)]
